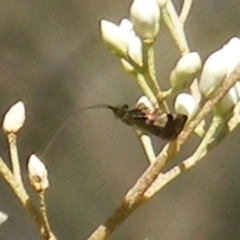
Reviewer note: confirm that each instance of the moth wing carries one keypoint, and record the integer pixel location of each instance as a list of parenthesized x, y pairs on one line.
[(173, 126)]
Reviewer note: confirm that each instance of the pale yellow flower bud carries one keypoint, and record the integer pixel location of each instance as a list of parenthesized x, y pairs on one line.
[(185, 71), (144, 102), (145, 15), (37, 173), (185, 104), (214, 72), (3, 217), (114, 37), (14, 118), (229, 101)]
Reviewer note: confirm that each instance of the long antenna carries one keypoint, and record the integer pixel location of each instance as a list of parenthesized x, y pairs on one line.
[(59, 130)]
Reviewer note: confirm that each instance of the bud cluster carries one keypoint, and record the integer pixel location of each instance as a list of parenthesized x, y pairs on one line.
[(126, 39), (129, 39), (219, 65)]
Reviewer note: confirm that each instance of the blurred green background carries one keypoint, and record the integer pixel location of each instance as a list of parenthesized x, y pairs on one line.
[(52, 58)]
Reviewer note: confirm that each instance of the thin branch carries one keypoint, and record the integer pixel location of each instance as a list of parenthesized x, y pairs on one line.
[(12, 141), (188, 163), (135, 197), (149, 74), (149, 67), (175, 26), (145, 88), (209, 105), (200, 152), (147, 146), (187, 4), (48, 234), (21, 194), (176, 29)]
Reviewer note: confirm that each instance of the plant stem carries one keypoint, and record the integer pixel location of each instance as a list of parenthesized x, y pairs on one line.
[(187, 4), (175, 26), (149, 74), (47, 230), (147, 146), (12, 141), (136, 195), (145, 88), (21, 194), (204, 148)]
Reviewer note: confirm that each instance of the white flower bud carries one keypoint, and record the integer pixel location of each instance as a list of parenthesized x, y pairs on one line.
[(135, 50), (134, 45), (144, 103), (218, 66), (232, 48), (229, 101), (127, 26), (145, 15), (114, 37), (37, 173), (185, 104), (185, 71), (3, 217), (14, 118), (213, 73)]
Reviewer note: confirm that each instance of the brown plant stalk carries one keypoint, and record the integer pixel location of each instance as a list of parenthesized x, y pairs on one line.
[(135, 196)]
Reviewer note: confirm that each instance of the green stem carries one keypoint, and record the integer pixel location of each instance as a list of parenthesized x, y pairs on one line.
[(202, 150), (187, 4), (145, 88), (147, 146), (175, 26), (150, 74)]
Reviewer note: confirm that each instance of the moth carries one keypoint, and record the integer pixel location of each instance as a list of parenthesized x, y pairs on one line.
[(166, 126)]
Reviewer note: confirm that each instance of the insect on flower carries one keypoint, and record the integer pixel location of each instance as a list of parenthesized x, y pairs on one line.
[(166, 126)]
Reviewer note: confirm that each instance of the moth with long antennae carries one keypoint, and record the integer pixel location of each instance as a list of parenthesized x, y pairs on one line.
[(166, 126)]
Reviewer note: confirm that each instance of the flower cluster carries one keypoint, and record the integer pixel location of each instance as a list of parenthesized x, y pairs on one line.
[(130, 39), (126, 39), (217, 67)]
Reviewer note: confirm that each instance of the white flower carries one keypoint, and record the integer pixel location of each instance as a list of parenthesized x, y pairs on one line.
[(218, 66), (185, 104), (14, 118), (122, 41), (145, 15), (127, 26), (135, 50), (186, 69), (144, 102), (114, 37), (230, 100), (213, 73), (232, 48), (38, 175), (134, 44), (3, 217)]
